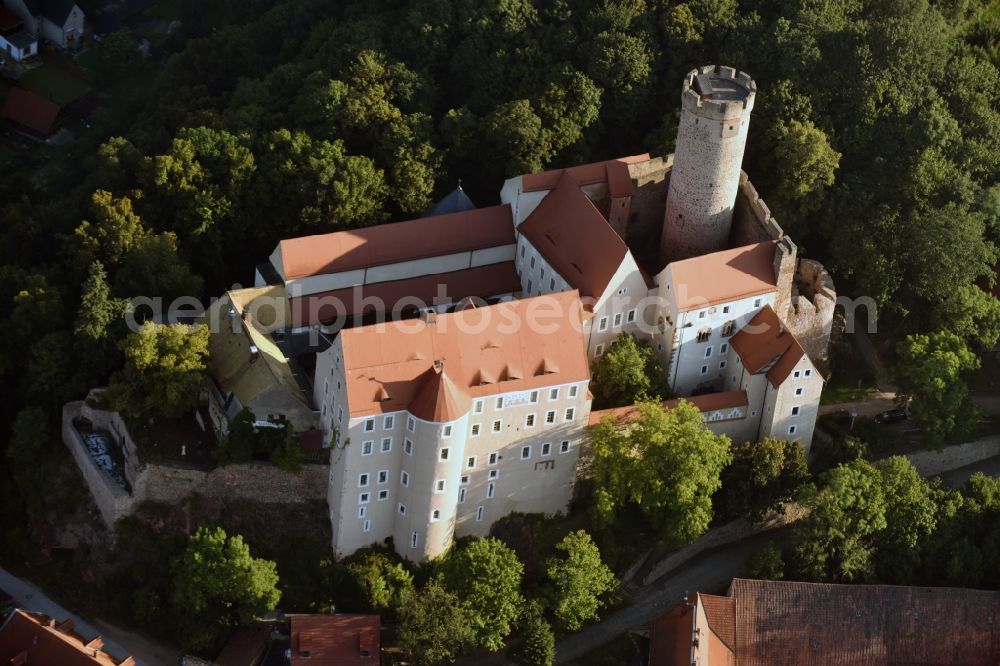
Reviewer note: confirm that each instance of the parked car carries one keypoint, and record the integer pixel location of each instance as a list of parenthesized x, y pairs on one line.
[(891, 416)]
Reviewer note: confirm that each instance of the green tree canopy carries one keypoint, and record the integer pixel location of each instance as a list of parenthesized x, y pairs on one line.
[(99, 312), (165, 371), (218, 585), (434, 625), (932, 372), (486, 575), (386, 584), (836, 539), (626, 372), (116, 229), (667, 465), (762, 477), (579, 577), (538, 643)]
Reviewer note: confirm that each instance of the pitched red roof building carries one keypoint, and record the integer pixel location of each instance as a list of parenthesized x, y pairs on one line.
[(573, 236), (30, 112), (29, 638), (767, 344), (787, 623), (335, 640)]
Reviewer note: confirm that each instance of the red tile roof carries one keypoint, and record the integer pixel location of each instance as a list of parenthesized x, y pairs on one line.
[(483, 282), (335, 640), (785, 622), (247, 645), (767, 344), (9, 20), (400, 241), (42, 640), (30, 111), (721, 615), (705, 403), (724, 276), (614, 172), (438, 399), (568, 230), (512, 346), (670, 638)]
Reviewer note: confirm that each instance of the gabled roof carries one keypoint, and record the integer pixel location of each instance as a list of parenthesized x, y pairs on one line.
[(708, 402), (42, 640), (614, 172), (766, 344), (721, 615), (456, 201), (511, 346), (56, 11), (8, 19), (392, 243), (30, 111), (724, 276), (341, 639), (481, 281), (568, 230), (787, 622)]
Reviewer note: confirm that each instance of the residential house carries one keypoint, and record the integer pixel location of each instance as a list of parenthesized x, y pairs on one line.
[(789, 623), (15, 41), (30, 114), (339, 639), (28, 638), (61, 22)]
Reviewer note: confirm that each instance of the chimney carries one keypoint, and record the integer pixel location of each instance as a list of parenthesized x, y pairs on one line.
[(439, 365), (254, 353), (429, 315)]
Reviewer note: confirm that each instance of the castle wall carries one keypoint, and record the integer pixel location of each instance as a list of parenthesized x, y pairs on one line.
[(172, 483), (813, 301)]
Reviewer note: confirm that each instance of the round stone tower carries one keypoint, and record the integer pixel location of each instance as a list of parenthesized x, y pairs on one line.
[(715, 116)]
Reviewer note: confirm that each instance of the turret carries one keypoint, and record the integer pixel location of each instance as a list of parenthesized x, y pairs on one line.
[(711, 137)]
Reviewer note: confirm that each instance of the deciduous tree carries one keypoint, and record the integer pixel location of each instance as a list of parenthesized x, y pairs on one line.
[(218, 585), (434, 625), (486, 575), (625, 372), (666, 465), (762, 477), (579, 579)]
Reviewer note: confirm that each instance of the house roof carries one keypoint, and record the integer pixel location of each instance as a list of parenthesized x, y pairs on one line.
[(396, 242), (456, 201), (767, 344), (231, 358), (572, 235), (482, 282), (708, 402), (785, 622), (511, 346), (56, 11), (21, 39), (246, 645), (614, 172), (42, 640), (30, 111), (721, 615), (724, 276), (438, 399), (340, 639), (8, 19)]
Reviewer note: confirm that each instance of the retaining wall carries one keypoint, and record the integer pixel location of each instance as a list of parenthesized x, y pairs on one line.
[(169, 483)]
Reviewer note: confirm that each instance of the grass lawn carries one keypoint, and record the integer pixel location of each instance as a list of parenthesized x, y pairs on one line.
[(850, 377), (54, 83)]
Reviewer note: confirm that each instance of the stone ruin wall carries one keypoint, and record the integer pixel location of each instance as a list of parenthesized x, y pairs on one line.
[(171, 483)]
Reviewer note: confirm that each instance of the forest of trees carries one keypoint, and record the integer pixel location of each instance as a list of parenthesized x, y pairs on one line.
[(874, 141)]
